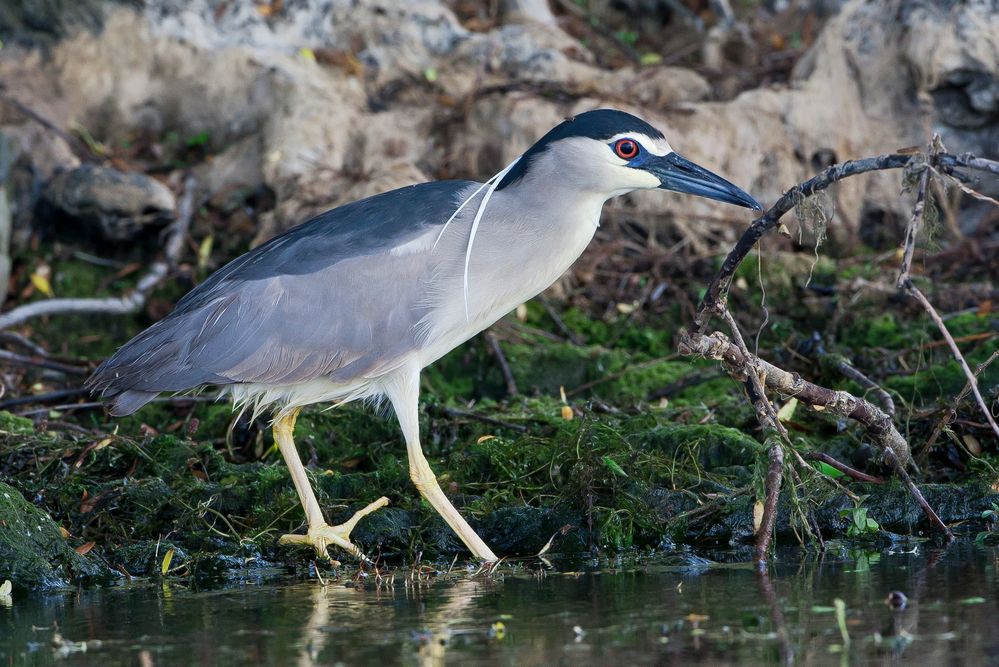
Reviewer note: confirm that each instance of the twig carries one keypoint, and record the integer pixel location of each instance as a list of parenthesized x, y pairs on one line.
[(717, 292), (775, 474), (78, 147), (847, 369), (912, 230), (767, 416), (95, 405), (843, 468), (972, 379), (560, 324), (587, 20), (35, 361), (454, 412), (905, 283), (128, 303), (42, 398), (879, 425), (677, 386), (11, 338), (511, 383), (918, 495)]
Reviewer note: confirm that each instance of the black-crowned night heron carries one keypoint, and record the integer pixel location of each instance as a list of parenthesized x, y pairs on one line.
[(355, 302)]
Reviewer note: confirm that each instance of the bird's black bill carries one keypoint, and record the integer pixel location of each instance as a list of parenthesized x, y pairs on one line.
[(681, 175)]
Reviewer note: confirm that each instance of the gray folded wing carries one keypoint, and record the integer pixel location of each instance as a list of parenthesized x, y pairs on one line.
[(328, 298)]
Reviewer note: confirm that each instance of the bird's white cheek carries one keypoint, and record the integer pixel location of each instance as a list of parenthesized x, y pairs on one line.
[(644, 179), (621, 178)]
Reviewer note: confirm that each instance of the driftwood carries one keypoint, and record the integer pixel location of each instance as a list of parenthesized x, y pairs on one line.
[(127, 303), (759, 376)]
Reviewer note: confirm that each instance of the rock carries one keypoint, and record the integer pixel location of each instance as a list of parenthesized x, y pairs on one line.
[(33, 553), (412, 95), (114, 205)]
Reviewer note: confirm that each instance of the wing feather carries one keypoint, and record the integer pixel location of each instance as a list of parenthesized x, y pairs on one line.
[(329, 297)]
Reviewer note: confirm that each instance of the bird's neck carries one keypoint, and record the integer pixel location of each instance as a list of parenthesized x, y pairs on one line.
[(528, 239)]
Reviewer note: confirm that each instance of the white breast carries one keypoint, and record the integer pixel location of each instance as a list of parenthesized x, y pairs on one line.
[(521, 248)]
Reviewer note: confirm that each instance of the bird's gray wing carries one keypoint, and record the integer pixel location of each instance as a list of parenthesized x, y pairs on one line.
[(335, 296)]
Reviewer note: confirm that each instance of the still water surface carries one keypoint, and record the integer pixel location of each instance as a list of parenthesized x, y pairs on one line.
[(577, 614)]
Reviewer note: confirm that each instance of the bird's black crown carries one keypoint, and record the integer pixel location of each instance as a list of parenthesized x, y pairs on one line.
[(600, 124)]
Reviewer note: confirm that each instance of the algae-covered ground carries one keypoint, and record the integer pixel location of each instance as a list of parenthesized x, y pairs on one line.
[(613, 442)]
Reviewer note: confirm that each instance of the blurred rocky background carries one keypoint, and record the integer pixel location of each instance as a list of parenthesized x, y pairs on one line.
[(288, 107)]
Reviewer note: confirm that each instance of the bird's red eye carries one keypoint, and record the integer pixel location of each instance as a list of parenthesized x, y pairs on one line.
[(626, 148)]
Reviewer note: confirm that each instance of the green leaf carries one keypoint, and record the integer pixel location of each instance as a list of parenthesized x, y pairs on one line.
[(827, 469), (973, 600), (614, 467), (198, 140)]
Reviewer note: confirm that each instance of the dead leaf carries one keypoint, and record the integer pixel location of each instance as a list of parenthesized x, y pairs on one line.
[(972, 445), (84, 549)]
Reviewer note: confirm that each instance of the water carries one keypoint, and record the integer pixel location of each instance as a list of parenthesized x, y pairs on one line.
[(643, 613)]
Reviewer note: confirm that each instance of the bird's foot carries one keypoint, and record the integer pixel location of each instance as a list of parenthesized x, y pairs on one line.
[(322, 535)]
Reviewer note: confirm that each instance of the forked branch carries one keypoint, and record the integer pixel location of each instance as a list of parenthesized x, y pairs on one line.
[(759, 375)]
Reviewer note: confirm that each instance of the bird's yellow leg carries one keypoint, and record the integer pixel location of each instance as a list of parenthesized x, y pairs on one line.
[(403, 390), (320, 534), (426, 483)]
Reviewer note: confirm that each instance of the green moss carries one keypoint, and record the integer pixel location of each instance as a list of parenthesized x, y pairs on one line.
[(875, 330), (13, 424), (33, 552)]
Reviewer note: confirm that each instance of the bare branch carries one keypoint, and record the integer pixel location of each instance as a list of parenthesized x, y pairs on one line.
[(879, 425), (972, 379), (717, 292), (905, 281), (128, 303), (847, 369)]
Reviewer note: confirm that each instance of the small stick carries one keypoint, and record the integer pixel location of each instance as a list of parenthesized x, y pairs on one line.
[(95, 405), (453, 412), (35, 361), (918, 495), (42, 398), (846, 369), (11, 338), (677, 386), (78, 147), (511, 383), (559, 322), (767, 416), (775, 474), (972, 379), (905, 283), (843, 468)]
